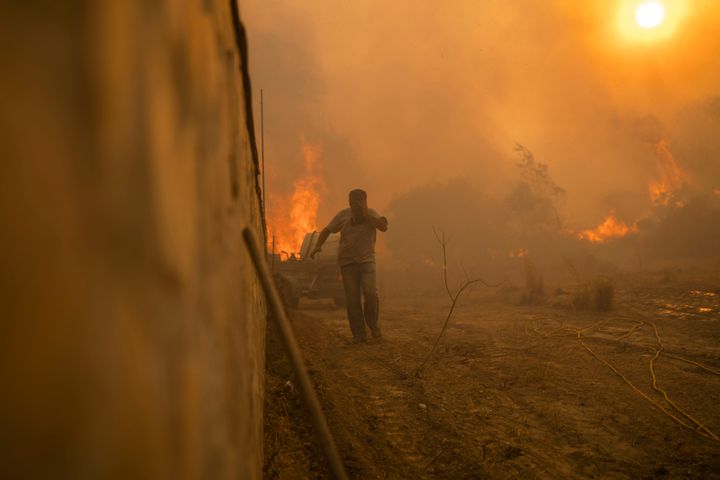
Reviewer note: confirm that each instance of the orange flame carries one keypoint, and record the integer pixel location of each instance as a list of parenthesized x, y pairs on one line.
[(610, 228), (672, 177), (291, 217)]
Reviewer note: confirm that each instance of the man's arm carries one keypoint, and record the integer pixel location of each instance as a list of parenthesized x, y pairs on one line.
[(321, 239), (381, 223), (333, 227)]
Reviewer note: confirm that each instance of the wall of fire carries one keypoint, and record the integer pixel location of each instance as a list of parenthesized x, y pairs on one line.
[(132, 322)]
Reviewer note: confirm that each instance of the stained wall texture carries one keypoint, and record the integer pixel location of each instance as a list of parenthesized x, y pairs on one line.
[(132, 321)]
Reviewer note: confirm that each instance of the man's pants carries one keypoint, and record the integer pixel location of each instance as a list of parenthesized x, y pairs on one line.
[(359, 278)]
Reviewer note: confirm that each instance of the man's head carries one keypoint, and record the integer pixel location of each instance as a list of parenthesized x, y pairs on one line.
[(358, 201)]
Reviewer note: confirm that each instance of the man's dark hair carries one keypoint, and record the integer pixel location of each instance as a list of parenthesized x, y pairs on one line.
[(357, 194)]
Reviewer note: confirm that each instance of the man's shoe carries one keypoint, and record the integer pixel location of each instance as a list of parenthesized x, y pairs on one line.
[(356, 340), (376, 333)]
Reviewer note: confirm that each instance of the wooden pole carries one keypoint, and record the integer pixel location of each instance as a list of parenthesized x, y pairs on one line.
[(307, 390), (262, 147)]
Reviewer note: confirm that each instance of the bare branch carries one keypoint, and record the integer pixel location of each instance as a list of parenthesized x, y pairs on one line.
[(462, 266), (453, 298), (437, 236), (441, 240)]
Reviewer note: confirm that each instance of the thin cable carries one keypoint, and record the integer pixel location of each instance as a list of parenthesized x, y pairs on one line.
[(700, 426), (643, 394)]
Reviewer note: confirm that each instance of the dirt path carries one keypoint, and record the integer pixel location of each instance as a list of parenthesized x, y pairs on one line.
[(511, 392)]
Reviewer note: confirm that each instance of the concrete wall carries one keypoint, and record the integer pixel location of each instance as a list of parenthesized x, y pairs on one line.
[(132, 324)]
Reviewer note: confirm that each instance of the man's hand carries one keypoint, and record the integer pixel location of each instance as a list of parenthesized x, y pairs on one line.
[(378, 222), (365, 209), (321, 239)]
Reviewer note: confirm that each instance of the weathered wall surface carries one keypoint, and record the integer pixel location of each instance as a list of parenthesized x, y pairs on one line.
[(132, 321)]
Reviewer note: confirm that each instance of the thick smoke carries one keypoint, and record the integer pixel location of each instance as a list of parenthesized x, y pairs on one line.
[(422, 104)]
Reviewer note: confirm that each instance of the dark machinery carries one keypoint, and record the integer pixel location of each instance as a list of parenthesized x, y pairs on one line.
[(297, 277)]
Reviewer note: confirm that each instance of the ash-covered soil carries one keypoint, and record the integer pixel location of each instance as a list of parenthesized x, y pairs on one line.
[(513, 391)]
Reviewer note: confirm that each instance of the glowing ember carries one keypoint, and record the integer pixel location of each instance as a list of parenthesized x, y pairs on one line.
[(672, 177), (293, 216), (609, 229), (427, 261), (519, 253)]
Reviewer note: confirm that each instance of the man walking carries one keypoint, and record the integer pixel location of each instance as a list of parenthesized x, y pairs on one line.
[(356, 256)]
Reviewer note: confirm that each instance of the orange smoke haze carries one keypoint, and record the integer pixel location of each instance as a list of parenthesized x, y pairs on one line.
[(422, 103), (291, 217), (396, 107), (609, 229), (671, 178)]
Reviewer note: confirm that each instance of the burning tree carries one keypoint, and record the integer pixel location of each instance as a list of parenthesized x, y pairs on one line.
[(671, 178), (610, 228)]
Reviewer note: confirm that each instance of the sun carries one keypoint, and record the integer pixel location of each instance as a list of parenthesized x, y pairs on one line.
[(650, 14), (649, 21)]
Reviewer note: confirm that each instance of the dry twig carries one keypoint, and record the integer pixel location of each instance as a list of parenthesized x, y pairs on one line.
[(454, 297)]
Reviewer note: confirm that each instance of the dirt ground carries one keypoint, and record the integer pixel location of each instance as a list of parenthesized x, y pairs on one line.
[(513, 391)]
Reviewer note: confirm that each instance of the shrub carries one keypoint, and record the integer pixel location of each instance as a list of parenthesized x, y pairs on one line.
[(598, 296), (603, 293), (534, 286), (582, 297)]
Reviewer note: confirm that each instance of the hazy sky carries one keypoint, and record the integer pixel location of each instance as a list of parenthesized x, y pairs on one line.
[(399, 94)]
